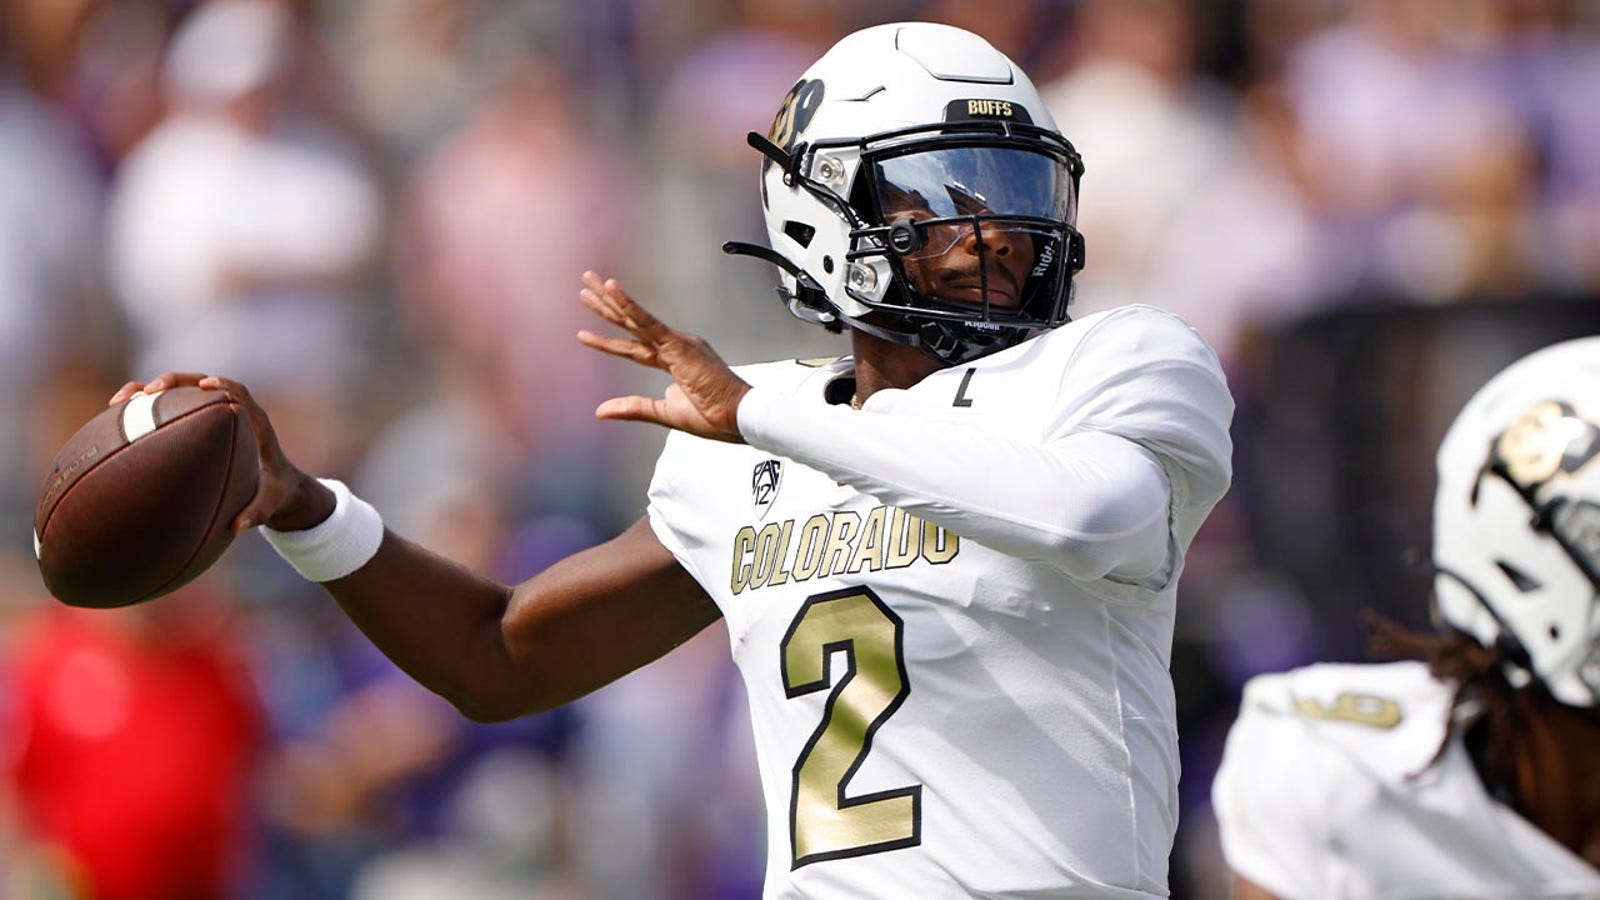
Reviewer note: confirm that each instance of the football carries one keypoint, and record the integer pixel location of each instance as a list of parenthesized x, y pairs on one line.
[(140, 500)]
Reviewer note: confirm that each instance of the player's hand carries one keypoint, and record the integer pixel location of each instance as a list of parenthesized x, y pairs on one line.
[(704, 396), (286, 499)]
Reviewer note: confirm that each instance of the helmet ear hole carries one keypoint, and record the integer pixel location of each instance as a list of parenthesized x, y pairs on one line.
[(1519, 579), (799, 232)]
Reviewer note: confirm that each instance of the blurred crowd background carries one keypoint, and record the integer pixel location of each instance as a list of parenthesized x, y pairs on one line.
[(375, 212)]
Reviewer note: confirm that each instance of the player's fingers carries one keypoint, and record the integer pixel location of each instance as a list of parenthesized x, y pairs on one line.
[(617, 306), (260, 423), (639, 320), (634, 409), (171, 380), (597, 298), (600, 306), (234, 389), (159, 383), (640, 353), (124, 392), (631, 318), (593, 281)]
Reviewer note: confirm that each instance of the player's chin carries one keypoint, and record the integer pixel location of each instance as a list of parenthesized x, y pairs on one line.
[(998, 298)]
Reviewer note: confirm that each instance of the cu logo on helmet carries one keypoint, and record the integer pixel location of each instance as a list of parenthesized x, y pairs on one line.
[(799, 105), (1547, 441)]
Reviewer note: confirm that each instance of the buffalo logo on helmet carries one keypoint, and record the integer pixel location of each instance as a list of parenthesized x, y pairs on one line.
[(799, 105), (1547, 441), (1540, 454)]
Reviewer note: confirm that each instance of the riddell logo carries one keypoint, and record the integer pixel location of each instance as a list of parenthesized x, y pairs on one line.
[(1046, 257)]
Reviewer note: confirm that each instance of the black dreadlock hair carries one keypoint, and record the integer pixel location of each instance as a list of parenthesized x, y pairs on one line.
[(1478, 674)]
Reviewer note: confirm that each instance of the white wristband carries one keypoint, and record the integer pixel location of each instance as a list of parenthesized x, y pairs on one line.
[(337, 546)]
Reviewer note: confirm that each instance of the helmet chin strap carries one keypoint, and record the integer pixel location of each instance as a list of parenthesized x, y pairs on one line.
[(948, 343), (943, 341)]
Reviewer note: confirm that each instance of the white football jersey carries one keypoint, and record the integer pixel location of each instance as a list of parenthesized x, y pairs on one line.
[(1326, 793), (933, 717)]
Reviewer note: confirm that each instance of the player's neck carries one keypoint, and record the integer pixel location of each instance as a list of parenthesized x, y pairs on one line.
[(1555, 787), (881, 364)]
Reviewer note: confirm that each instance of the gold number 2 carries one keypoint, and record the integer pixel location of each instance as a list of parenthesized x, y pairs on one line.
[(823, 822)]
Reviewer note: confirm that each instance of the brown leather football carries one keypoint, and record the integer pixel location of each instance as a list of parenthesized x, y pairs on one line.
[(140, 500)]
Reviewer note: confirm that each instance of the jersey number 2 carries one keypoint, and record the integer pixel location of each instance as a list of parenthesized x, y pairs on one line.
[(823, 822)]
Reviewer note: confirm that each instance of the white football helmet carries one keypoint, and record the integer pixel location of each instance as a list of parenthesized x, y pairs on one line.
[(1516, 520), (915, 187)]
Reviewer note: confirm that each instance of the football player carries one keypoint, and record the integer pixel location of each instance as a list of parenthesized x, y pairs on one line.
[(1468, 771), (947, 563)]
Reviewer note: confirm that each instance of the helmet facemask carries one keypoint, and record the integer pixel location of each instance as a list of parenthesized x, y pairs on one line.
[(972, 227)]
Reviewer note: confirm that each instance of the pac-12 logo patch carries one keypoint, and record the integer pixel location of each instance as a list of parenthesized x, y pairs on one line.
[(764, 482)]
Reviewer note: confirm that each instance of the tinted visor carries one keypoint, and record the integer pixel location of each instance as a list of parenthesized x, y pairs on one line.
[(951, 182)]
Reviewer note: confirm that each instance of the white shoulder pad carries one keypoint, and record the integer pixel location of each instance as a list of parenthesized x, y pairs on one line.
[(1144, 374), (1389, 719), (1309, 752)]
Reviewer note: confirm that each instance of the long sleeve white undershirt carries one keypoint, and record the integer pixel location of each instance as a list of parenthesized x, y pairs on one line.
[(1090, 503)]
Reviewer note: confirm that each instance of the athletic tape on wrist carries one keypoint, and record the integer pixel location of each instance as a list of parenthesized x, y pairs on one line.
[(337, 546)]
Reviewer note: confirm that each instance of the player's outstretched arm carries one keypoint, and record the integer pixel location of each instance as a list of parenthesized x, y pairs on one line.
[(498, 652), (494, 651)]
